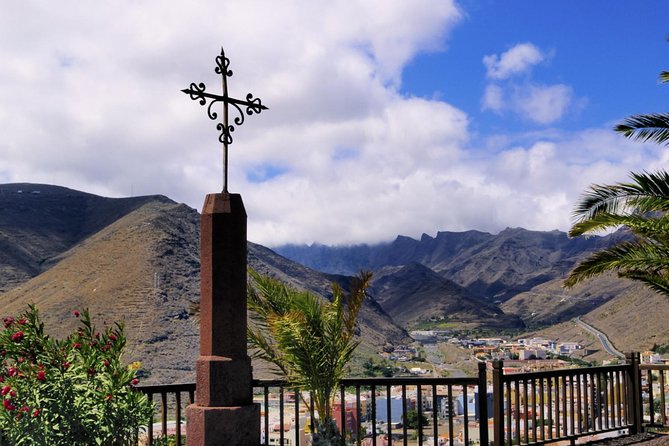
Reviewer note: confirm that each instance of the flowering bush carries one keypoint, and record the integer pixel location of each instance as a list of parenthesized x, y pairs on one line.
[(74, 391)]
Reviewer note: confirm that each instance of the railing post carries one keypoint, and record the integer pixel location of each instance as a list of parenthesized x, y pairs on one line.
[(498, 402), (483, 404), (634, 402)]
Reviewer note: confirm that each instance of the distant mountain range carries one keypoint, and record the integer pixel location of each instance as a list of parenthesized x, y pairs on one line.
[(137, 259), (493, 267)]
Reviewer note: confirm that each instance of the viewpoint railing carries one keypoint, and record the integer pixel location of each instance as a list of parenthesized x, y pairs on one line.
[(544, 407), (519, 408)]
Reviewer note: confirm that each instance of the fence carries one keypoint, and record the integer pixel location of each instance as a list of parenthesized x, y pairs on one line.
[(521, 408)]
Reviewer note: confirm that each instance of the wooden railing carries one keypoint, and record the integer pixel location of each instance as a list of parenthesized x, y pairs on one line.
[(654, 393)]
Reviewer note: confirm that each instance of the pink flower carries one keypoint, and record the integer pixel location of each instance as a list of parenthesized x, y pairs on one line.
[(23, 321), (112, 337), (76, 345), (76, 313), (24, 409), (41, 375), (17, 337), (5, 390), (36, 413), (106, 363), (8, 405), (66, 365), (8, 321), (109, 396), (134, 382), (12, 371)]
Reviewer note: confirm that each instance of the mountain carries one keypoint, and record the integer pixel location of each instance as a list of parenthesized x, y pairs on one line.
[(496, 267), (137, 260), (516, 275), (414, 293), (133, 260), (38, 222)]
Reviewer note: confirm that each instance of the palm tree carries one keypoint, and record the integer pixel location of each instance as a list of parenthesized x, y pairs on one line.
[(641, 205), (308, 339)]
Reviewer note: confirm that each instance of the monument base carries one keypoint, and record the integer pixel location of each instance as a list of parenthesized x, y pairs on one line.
[(223, 426), (223, 382)]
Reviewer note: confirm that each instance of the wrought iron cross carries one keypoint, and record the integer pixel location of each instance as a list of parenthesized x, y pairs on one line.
[(196, 92)]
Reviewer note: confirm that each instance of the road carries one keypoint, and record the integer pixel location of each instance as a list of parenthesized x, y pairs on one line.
[(610, 349)]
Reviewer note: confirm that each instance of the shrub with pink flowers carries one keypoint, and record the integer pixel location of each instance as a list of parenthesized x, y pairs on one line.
[(75, 391)]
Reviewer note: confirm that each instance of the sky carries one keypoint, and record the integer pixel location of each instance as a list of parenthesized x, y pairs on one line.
[(386, 117)]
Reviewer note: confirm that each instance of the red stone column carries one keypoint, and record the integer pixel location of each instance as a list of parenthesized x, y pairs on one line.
[(224, 412)]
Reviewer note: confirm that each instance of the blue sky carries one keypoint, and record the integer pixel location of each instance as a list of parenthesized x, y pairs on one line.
[(386, 117), (609, 52)]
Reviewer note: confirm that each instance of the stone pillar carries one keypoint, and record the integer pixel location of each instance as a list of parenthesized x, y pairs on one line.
[(224, 412)]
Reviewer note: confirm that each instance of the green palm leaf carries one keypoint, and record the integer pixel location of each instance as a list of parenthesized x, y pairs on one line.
[(642, 206), (650, 127), (647, 192), (658, 282), (628, 257), (308, 339)]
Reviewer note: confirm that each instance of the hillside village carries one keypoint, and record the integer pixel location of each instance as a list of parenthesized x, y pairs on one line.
[(519, 355)]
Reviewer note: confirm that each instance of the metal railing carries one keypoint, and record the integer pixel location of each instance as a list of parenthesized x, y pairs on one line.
[(526, 408), (170, 402), (367, 411)]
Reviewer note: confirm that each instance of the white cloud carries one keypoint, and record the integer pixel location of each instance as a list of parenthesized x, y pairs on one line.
[(89, 99), (519, 59), (531, 101), (493, 98), (543, 104)]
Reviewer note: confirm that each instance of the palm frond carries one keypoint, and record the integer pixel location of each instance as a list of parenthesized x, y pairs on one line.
[(647, 127), (647, 192), (658, 282), (625, 257), (306, 337), (664, 76)]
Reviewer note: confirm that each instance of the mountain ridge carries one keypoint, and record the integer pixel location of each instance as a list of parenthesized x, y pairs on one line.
[(141, 268), (137, 259)]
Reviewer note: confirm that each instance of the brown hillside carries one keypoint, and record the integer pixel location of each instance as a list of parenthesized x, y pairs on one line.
[(632, 316), (143, 269), (39, 222), (551, 303), (634, 320), (119, 276)]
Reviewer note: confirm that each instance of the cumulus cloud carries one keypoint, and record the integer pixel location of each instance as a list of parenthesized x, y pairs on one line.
[(529, 100), (493, 98), (89, 99), (514, 61), (542, 104)]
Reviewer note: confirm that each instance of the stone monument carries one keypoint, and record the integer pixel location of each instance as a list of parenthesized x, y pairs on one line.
[(223, 412)]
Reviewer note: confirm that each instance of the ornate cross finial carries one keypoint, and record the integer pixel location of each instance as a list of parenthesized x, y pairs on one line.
[(196, 92)]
